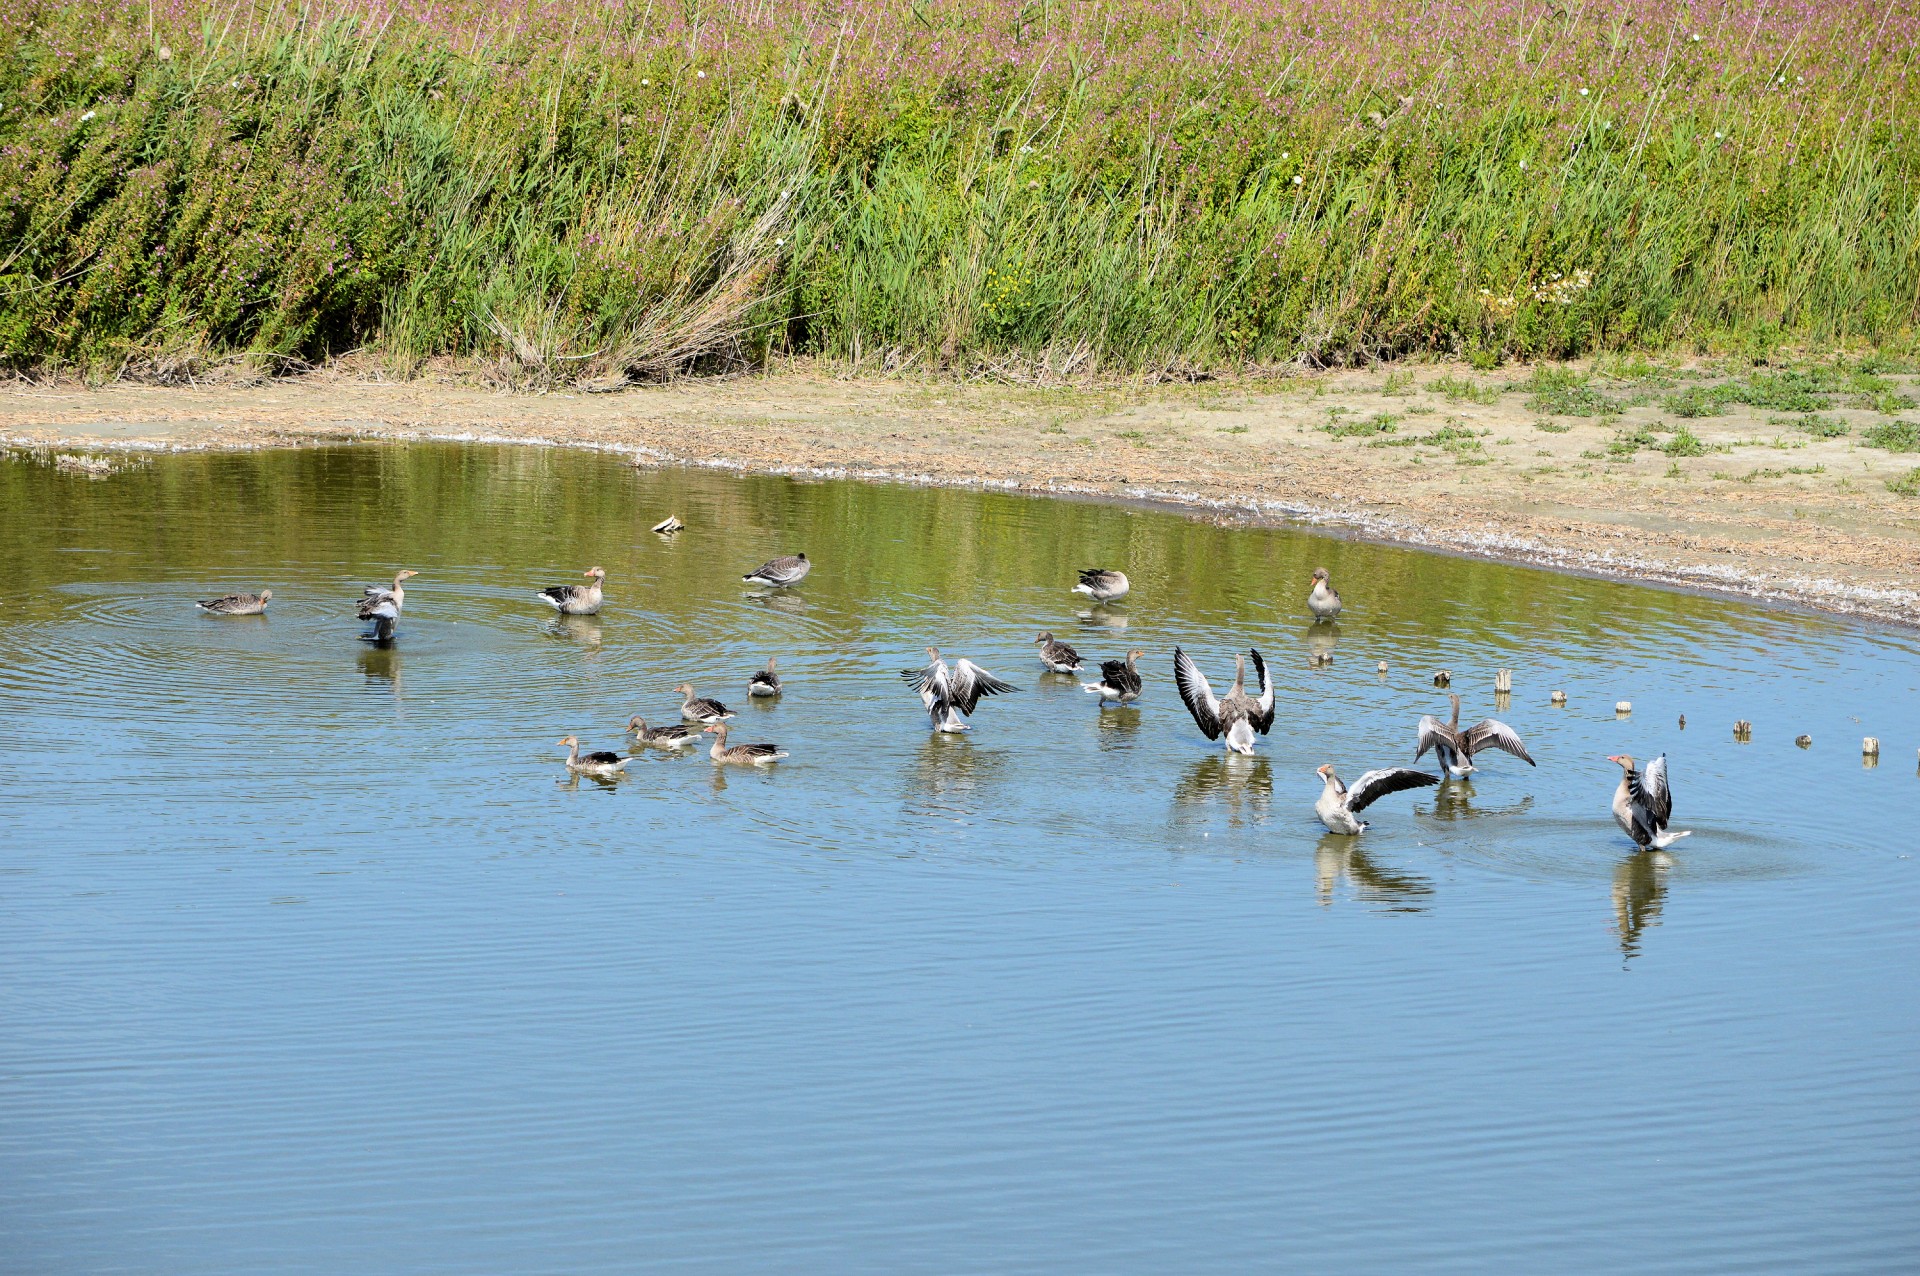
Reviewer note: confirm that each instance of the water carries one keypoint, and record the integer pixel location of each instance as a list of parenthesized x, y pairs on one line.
[(311, 959)]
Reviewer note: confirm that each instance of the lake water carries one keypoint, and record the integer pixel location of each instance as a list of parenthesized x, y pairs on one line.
[(312, 959)]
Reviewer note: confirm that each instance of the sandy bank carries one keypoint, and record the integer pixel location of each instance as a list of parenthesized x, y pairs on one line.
[(1428, 455)]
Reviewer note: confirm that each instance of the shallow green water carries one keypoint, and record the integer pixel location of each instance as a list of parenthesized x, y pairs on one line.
[(311, 959)]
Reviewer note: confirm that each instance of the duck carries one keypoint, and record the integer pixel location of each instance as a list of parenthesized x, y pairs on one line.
[(1237, 715), (675, 736), (699, 709), (601, 763), (951, 694), (1455, 748), (576, 600), (1119, 679), (779, 572), (1102, 585), (237, 604), (1338, 804), (381, 604), (764, 683), (1323, 601), (1057, 656), (743, 754), (1643, 804)]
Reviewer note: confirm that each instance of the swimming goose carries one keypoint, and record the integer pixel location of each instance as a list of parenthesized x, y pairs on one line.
[(1056, 655), (747, 754), (1237, 715), (576, 600), (699, 709), (1119, 679), (237, 604), (1323, 602), (601, 763), (382, 605), (1339, 804), (764, 683), (780, 571), (1455, 748), (950, 694), (669, 737), (1102, 585), (1643, 804)]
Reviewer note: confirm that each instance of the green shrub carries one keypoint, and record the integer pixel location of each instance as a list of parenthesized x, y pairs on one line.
[(1893, 436)]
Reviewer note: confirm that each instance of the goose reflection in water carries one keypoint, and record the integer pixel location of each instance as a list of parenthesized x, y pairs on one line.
[(1455, 801), (606, 783), (1118, 725), (1639, 890), (380, 663), (1320, 639), (776, 600), (1241, 783), (1102, 618), (951, 772), (1339, 858), (584, 630)]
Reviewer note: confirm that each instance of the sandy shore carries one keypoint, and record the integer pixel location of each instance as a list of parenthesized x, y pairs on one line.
[(1467, 465)]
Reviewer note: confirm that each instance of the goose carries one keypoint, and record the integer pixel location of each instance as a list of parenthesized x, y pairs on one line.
[(1119, 679), (951, 694), (764, 683), (699, 709), (780, 571), (576, 600), (1643, 804), (601, 763), (1237, 715), (669, 737), (745, 754), (1338, 804), (1323, 602), (237, 604), (1057, 656), (382, 605), (1102, 585), (1455, 748)]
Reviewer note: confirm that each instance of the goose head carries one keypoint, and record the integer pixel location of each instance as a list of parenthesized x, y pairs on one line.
[(595, 573), (636, 723), (569, 742), (1623, 760), (406, 574), (1045, 636), (1135, 656), (266, 595), (1320, 576), (684, 689), (717, 729)]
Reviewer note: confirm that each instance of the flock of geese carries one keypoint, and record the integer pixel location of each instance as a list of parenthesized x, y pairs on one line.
[(952, 692)]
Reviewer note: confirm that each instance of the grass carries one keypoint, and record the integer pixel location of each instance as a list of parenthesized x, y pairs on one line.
[(1907, 485), (1378, 423), (1893, 436), (1564, 392), (575, 194), (1820, 427), (1684, 443), (1550, 427), (1462, 389)]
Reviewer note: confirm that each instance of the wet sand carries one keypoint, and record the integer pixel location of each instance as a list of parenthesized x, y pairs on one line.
[(1768, 512)]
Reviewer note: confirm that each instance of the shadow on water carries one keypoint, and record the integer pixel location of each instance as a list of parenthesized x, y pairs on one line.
[(953, 776), (1339, 858), (1238, 785), (380, 664)]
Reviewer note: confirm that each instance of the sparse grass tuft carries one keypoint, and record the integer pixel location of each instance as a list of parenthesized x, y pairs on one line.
[(1893, 436), (1459, 389), (1907, 485), (1563, 392), (1684, 443)]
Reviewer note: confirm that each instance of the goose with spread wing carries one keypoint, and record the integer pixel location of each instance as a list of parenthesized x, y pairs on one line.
[(1057, 656), (1455, 748), (780, 572), (237, 604), (1643, 804), (599, 763), (1119, 679), (1339, 806), (1102, 584), (740, 754), (950, 694), (576, 600), (1235, 716), (381, 604)]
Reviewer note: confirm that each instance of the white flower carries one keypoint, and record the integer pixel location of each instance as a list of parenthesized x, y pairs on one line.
[(1286, 154), (86, 117), (1298, 180), (164, 54), (779, 243), (700, 75), (1716, 135), (1607, 125), (646, 84), (1583, 92), (1523, 163), (1696, 37), (233, 84)]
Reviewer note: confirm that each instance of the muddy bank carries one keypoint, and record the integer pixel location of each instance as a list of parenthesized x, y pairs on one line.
[(1745, 500)]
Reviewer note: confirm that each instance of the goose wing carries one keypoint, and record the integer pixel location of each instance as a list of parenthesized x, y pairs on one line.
[(379, 609), (1374, 785), (1651, 798), (1489, 734), (780, 571), (1433, 734), (756, 751), (970, 683), (602, 758), (560, 595), (1116, 675), (1196, 694), (1097, 577), (1262, 719)]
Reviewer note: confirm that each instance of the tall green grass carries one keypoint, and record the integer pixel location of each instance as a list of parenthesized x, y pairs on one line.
[(297, 185)]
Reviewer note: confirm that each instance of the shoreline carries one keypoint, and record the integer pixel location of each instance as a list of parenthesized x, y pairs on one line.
[(1258, 452)]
